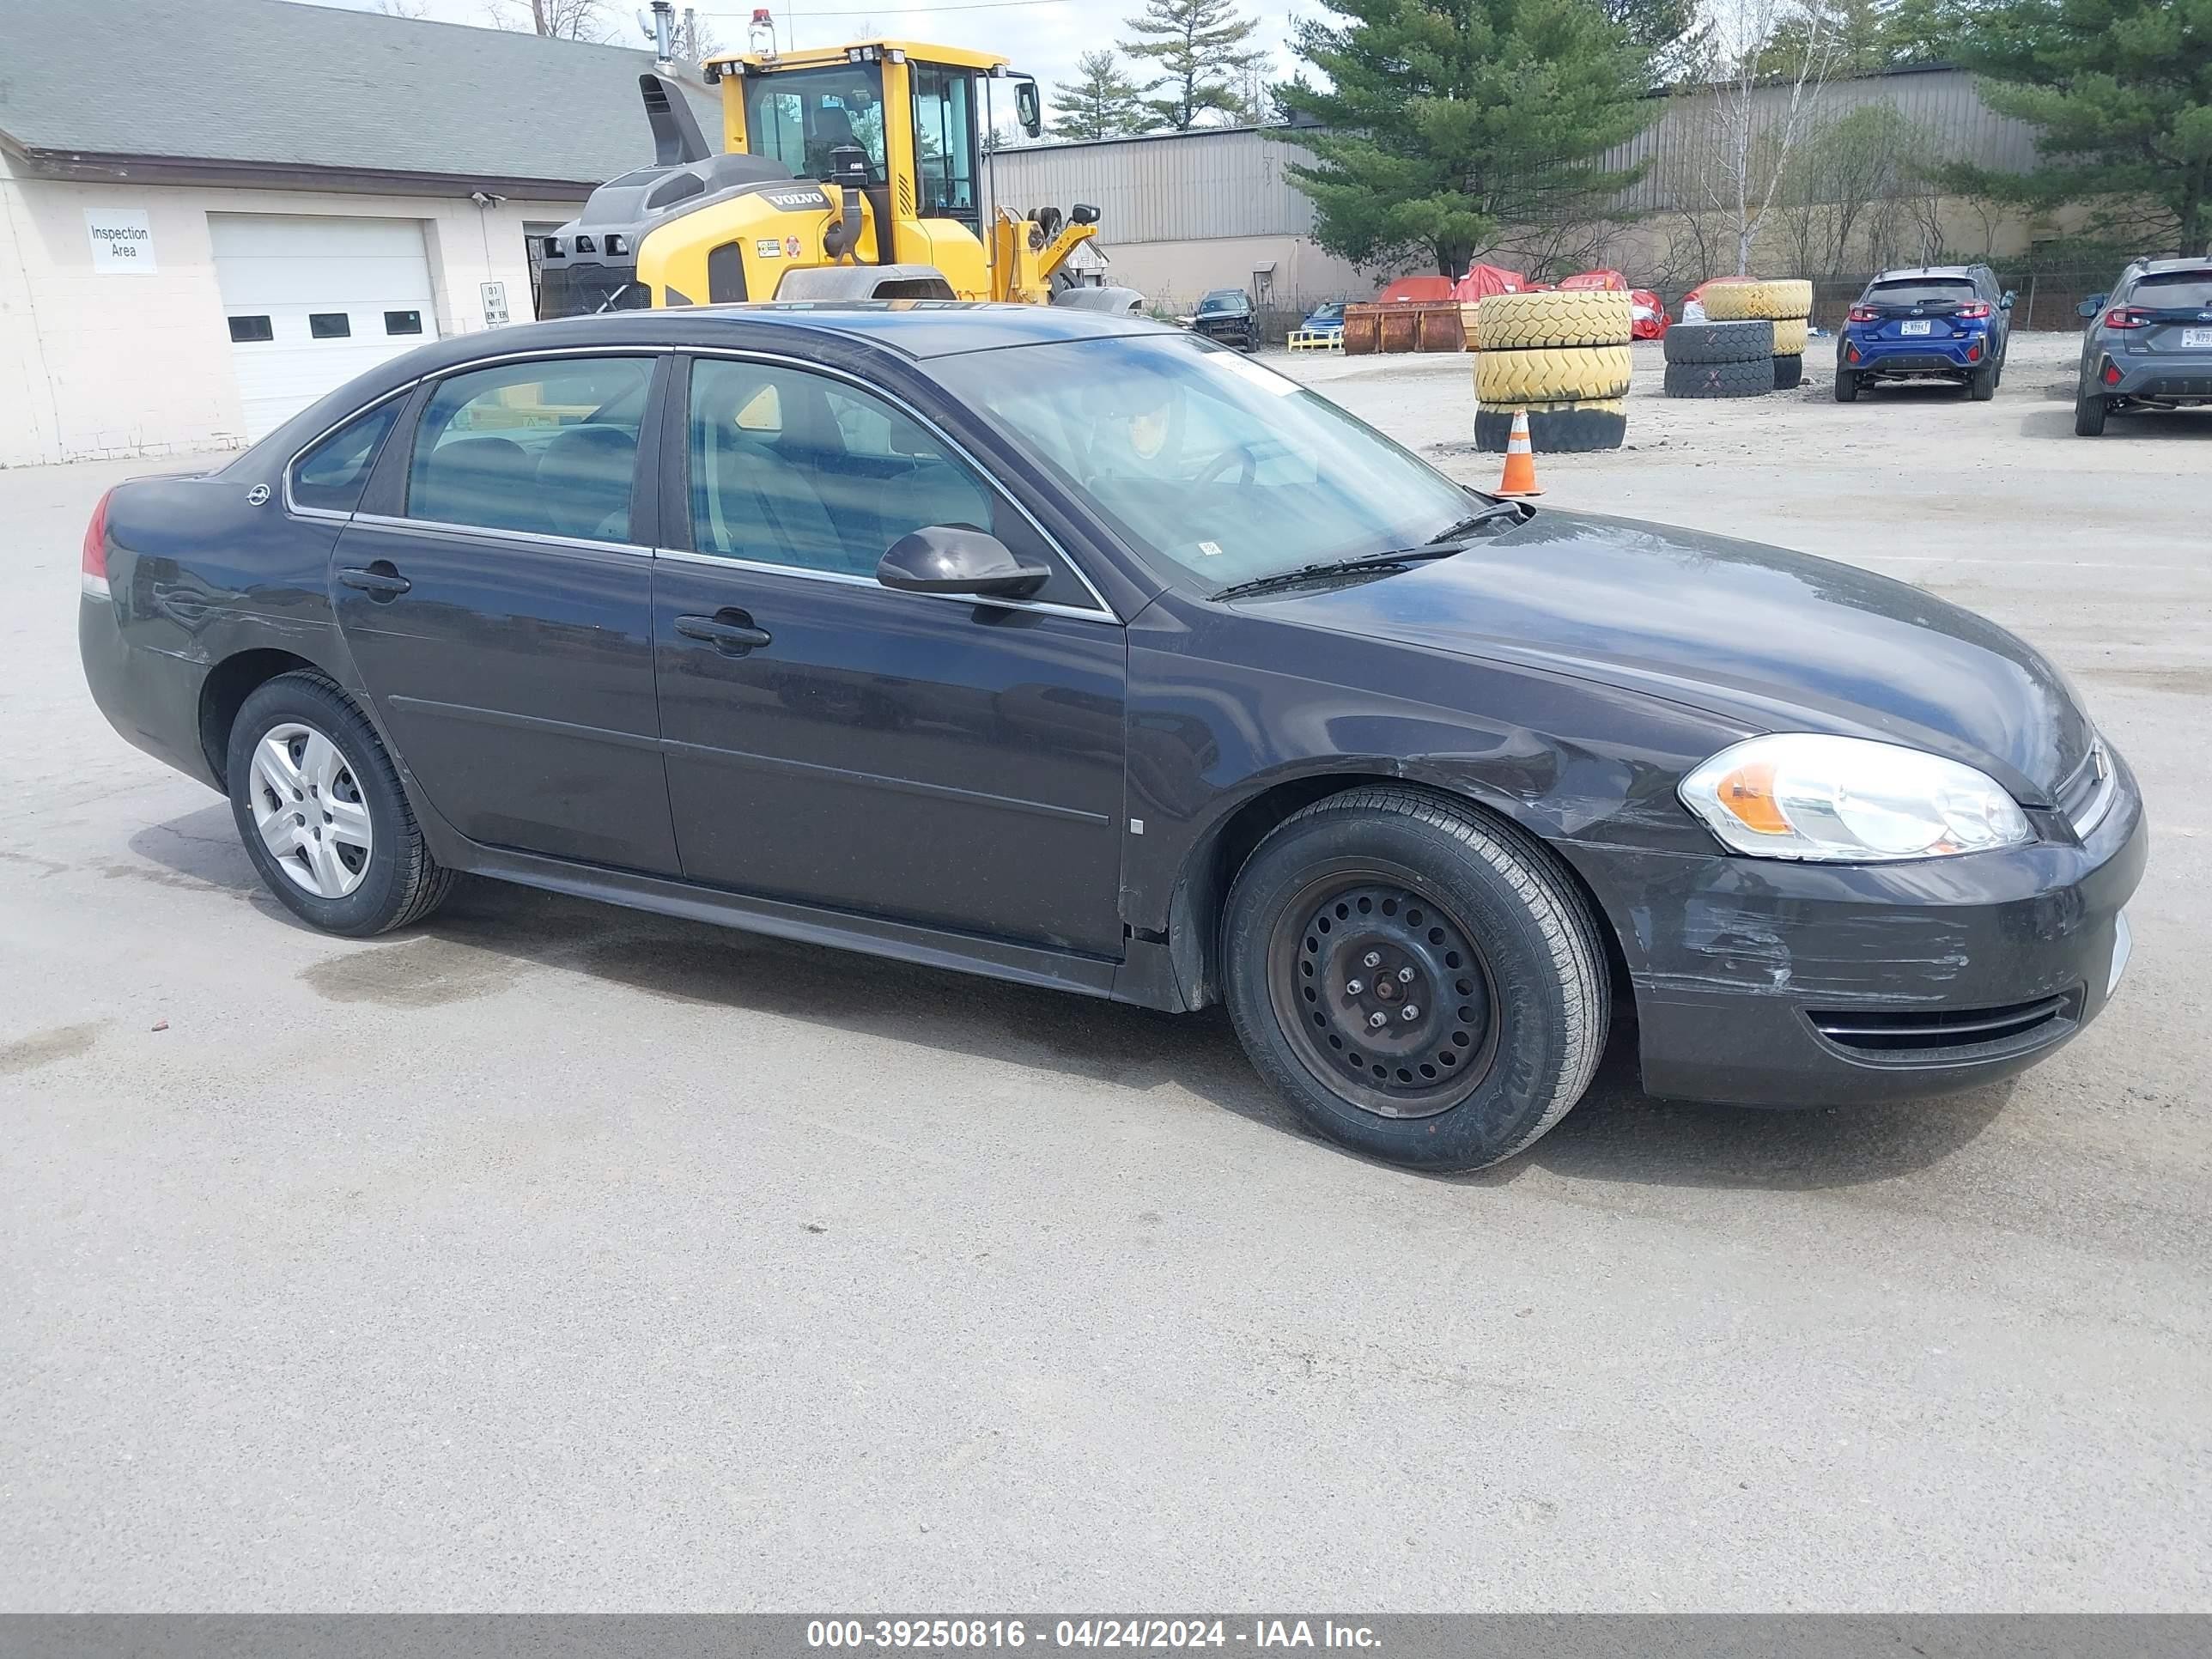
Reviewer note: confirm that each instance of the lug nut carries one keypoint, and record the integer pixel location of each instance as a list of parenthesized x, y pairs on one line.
[(1377, 1020), (1405, 976), (1373, 958), (1354, 987), (1410, 1011)]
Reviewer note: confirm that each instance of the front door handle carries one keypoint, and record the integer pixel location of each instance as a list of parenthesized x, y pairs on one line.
[(379, 580), (727, 631)]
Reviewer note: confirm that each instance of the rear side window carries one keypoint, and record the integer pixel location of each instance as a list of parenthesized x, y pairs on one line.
[(2178, 288), (331, 473), (1923, 291), (545, 448)]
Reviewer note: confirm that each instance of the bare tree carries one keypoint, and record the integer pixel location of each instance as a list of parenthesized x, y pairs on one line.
[(413, 11), (559, 20), (1759, 111), (694, 37)]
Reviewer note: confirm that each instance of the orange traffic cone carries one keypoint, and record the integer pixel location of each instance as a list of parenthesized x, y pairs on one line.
[(1519, 477)]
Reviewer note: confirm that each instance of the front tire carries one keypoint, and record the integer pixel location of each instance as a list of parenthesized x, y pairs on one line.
[(1379, 901), (320, 807)]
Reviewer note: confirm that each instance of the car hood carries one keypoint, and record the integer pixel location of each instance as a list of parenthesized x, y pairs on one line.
[(1771, 640)]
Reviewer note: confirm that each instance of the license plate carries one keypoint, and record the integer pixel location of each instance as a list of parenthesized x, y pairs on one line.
[(2122, 944), (2197, 336), (1916, 328)]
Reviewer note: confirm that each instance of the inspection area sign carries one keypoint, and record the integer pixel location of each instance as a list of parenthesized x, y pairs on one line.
[(122, 241)]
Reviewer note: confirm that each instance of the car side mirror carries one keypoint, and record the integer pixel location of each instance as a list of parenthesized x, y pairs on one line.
[(2092, 306), (1025, 107), (2006, 303), (957, 558)]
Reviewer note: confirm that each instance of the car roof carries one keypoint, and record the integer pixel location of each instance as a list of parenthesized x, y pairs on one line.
[(2160, 267), (913, 328)]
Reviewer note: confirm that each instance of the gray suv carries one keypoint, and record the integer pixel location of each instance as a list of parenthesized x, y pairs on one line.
[(2148, 345)]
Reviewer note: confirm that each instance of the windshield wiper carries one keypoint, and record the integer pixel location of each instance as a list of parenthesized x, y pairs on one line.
[(1442, 545)]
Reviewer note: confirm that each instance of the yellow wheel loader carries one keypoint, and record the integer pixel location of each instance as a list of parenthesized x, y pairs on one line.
[(850, 172)]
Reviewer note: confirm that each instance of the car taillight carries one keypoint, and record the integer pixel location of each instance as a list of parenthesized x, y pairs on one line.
[(1865, 314), (1974, 352), (95, 578), (2126, 316), (1976, 309), (2111, 373), (1852, 352)]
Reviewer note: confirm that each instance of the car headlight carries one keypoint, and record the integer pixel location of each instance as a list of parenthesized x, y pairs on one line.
[(1797, 795)]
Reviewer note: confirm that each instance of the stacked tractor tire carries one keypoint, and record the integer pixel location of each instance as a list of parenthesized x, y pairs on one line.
[(1753, 341), (1561, 358)]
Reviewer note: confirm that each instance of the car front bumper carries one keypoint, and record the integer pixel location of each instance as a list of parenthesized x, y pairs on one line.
[(1773, 983)]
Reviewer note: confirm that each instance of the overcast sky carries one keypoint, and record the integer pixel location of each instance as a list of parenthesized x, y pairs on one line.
[(1042, 37)]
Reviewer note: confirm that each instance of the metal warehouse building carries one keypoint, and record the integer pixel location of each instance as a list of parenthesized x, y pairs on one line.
[(212, 213)]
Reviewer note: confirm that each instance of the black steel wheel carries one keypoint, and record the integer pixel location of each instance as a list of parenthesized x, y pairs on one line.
[(1385, 992), (1418, 979)]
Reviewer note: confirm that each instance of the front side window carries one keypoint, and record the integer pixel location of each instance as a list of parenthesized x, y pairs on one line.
[(800, 116), (331, 473), (789, 468), (545, 448), (1206, 465), (944, 143)]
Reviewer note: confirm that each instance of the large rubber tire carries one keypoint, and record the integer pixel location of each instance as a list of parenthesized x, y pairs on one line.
[(1847, 385), (1789, 372), (403, 883), (2089, 412), (1789, 297), (1790, 334), (1575, 317), (1564, 429), (1717, 342), (1532, 1004), (1749, 380), (1982, 383), (1552, 374)]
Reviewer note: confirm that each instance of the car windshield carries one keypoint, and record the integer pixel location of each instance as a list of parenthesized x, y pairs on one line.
[(2177, 288), (1923, 291), (1207, 464), (1222, 303)]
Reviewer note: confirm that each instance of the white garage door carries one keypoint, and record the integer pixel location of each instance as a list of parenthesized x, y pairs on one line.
[(313, 301)]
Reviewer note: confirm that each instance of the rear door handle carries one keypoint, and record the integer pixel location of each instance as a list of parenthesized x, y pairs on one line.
[(730, 631), (379, 580)]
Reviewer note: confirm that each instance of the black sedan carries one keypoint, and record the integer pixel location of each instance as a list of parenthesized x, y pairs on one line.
[(1079, 651)]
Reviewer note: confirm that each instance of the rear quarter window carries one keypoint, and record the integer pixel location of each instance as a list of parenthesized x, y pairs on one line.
[(330, 473)]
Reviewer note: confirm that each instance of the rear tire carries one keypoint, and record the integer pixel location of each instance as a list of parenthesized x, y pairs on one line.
[(1847, 385), (377, 874), (2089, 412), (1982, 383), (1421, 904)]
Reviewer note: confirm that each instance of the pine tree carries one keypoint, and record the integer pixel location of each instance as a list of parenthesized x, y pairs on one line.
[(1104, 104), (1200, 46), (2120, 94), (1445, 121)]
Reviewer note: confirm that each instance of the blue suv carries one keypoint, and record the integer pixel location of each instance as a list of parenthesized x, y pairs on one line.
[(1938, 322)]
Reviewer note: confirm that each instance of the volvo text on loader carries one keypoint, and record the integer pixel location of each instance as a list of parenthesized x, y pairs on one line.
[(850, 172)]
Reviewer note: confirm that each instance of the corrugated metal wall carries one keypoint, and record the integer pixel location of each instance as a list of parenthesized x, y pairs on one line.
[(1188, 186)]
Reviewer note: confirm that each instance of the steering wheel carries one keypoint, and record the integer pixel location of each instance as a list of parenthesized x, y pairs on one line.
[(1219, 465)]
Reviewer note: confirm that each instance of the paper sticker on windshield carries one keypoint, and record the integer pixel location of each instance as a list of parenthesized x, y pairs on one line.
[(1212, 549), (1266, 379)]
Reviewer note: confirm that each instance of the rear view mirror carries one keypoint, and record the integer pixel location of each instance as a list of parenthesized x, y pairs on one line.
[(942, 558), (1025, 107), (2009, 296), (2092, 306)]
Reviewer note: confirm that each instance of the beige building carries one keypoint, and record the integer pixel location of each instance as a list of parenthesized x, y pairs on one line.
[(257, 200)]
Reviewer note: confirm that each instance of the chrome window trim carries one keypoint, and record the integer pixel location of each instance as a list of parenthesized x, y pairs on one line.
[(846, 579), (1104, 613), (292, 508), (441, 527)]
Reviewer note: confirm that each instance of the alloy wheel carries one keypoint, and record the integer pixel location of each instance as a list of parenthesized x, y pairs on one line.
[(308, 808)]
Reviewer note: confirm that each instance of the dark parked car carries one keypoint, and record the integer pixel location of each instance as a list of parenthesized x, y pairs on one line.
[(1937, 322), (1226, 315), (1074, 650), (2148, 345)]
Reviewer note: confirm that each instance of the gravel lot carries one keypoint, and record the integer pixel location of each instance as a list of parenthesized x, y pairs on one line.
[(560, 1257)]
